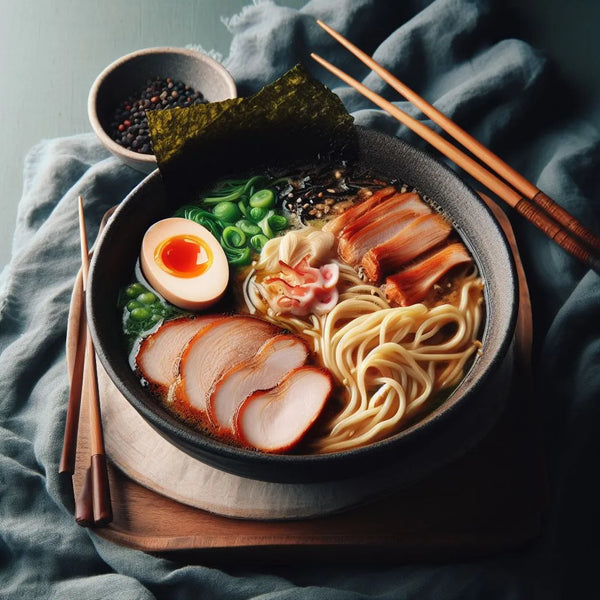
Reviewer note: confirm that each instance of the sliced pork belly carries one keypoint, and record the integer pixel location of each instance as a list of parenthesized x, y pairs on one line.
[(160, 352), (414, 283), (382, 210), (374, 229), (419, 236), (216, 349), (275, 359), (277, 419), (339, 223)]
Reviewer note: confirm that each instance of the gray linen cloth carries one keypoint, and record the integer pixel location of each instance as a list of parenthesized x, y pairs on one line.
[(459, 54)]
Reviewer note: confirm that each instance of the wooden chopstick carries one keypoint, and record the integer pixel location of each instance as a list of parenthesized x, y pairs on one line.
[(557, 223), (93, 506), (528, 189), (69, 450), (67, 459)]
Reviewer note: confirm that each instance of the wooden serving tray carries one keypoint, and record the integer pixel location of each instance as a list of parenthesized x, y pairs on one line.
[(491, 498)]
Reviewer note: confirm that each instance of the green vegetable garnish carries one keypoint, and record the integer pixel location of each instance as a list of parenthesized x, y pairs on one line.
[(140, 314), (235, 210), (238, 257), (202, 217), (147, 298), (134, 290), (227, 211), (277, 222), (265, 226), (228, 198), (258, 241), (248, 227), (262, 199), (133, 304), (233, 237), (144, 312), (257, 213)]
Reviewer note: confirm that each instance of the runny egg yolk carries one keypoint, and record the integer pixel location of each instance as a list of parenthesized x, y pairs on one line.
[(184, 263), (183, 255)]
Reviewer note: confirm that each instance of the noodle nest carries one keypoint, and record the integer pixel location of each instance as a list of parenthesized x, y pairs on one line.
[(389, 362)]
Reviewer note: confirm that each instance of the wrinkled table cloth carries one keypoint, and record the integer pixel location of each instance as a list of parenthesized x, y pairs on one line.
[(460, 55)]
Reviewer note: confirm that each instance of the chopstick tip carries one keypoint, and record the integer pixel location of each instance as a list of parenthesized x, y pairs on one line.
[(318, 58)]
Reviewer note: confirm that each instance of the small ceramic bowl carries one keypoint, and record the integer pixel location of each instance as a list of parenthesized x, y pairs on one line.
[(447, 432), (129, 74)]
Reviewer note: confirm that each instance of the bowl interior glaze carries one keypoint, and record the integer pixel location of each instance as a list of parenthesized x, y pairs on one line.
[(448, 431)]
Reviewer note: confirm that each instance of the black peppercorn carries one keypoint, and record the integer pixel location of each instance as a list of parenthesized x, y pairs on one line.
[(129, 125)]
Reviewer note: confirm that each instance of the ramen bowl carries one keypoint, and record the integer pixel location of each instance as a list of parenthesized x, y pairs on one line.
[(448, 431), (129, 75)]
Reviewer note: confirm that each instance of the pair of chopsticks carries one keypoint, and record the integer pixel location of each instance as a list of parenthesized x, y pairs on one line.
[(519, 193), (92, 505)]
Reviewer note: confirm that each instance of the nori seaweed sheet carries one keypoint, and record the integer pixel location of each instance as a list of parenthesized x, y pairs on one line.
[(292, 120)]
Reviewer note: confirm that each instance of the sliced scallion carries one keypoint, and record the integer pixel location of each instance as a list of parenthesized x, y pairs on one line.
[(238, 256), (278, 222), (227, 211), (257, 213), (265, 226), (258, 241), (263, 199), (248, 227), (233, 237)]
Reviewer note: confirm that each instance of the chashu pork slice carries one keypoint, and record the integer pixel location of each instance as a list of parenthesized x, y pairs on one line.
[(275, 359), (338, 224), (418, 237), (412, 284), (378, 226), (276, 420), (216, 349), (160, 352)]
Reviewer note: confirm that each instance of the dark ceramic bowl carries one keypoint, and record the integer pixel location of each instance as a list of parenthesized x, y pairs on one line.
[(129, 74), (447, 432)]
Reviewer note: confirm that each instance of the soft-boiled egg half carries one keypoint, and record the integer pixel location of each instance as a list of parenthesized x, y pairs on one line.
[(184, 263)]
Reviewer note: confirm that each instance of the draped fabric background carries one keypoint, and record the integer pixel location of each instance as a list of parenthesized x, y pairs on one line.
[(459, 54)]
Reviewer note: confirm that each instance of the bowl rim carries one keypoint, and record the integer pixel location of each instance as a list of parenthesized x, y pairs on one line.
[(147, 159), (263, 462)]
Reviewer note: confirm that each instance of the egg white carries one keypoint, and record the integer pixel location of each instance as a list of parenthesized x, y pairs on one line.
[(190, 293)]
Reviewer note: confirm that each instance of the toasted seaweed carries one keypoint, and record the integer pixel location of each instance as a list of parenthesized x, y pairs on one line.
[(294, 119)]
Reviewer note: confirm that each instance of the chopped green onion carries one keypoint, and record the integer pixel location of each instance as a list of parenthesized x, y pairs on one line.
[(257, 213), (262, 199), (229, 197), (252, 181), (227, 211), (202, 217), (258, 241), (264, 224), (278, 222), (248, 227), (238, 256), (233, 237)]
